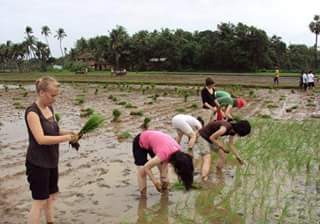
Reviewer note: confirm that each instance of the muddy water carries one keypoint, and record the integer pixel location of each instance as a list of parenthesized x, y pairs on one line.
[(98, 183)]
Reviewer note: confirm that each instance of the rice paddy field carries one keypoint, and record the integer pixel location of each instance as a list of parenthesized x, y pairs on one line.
[(279, 183)]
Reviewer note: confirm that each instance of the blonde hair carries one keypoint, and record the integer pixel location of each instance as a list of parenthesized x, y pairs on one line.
[(43, 83)]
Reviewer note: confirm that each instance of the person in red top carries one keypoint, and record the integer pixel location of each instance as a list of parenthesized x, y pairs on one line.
[(163, 149)]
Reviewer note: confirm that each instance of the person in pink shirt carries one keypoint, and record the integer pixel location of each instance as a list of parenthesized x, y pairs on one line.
[(163, 149)]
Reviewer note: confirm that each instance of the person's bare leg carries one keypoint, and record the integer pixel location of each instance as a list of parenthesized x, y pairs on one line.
[(49, 207), (142, 181), (35, 212), (163, 169), (179, 136), (206, 164), (221, 160)]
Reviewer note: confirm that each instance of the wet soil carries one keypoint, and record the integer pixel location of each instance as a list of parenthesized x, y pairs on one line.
[(98, 183)]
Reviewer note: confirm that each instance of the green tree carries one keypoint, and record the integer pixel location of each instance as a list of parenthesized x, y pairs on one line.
[(45, 31), (119, 44), (314, 27), (60, 35)]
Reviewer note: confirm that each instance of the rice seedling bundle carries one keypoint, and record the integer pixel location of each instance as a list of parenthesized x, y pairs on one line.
[(94, 122)]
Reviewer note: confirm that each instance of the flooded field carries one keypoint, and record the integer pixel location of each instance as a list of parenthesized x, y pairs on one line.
[(280, 182)]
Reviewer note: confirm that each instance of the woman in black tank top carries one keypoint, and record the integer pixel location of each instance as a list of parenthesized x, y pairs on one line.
[(43, 149)]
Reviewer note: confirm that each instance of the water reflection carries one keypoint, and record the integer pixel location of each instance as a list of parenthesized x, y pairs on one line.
[(158, 213), (214, 207)]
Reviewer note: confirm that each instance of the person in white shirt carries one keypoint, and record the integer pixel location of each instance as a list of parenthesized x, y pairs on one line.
[(187, 125), (310, 80)]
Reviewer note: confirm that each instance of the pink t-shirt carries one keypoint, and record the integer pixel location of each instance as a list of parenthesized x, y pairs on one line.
[(161, 144)]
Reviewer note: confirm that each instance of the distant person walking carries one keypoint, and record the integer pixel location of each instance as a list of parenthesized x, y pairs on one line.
[(208, 99), (310, 77), (43, 149), (276, 76)]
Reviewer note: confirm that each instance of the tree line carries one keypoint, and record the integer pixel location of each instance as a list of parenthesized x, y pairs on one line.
[(231, 47)]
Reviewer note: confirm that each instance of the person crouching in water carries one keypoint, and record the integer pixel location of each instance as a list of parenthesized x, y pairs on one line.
[(187, 125), (209, 141), (163, 149)]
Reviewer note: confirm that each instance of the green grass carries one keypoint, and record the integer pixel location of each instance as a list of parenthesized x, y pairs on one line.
[(277, 184), (155, 78)]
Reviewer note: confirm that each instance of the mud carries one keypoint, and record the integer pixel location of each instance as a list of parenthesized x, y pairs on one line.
[(98, 183)]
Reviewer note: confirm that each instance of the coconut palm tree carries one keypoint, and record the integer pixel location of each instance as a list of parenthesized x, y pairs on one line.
[(119, 39), (60, 35), (45, 30), (30, 40), (314, 27)]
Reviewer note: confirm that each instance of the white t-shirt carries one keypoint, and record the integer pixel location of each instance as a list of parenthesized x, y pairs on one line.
[(305, 78), (186, 123), (310, 77)]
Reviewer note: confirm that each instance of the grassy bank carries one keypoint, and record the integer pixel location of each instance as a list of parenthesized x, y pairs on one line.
[(191, 79)]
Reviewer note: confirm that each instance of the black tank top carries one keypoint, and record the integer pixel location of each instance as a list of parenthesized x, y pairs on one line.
[(46, 156)]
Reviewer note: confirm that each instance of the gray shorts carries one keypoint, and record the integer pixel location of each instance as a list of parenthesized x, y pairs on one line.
[(204, 147)]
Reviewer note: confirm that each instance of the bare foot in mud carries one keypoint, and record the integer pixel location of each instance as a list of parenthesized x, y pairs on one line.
[(164, 186), (143, 193)]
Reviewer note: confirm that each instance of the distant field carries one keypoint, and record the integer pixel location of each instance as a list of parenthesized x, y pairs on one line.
[(162, 78)]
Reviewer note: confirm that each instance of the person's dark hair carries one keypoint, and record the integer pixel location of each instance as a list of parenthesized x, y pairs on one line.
[(209, 81), (183, 166), (242, 128), (201, 120)]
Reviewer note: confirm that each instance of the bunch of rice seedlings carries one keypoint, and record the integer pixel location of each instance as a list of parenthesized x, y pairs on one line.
[(155, 97), (251, 93), (122, 103), (129, 105), (116, 114), (57, 117), (94, 122), (180, 110), (18, 105), (124, 135), (96, 91), (136, 113), (6, 88), (110, 97), (186, 94), (25, 94), (270, 106), (145, 123), (105, 85), (79, 100), (194, 106), (165, 94), (86, 112)]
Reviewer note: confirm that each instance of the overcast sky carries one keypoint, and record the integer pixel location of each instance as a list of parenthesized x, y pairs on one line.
[(288, 19)]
